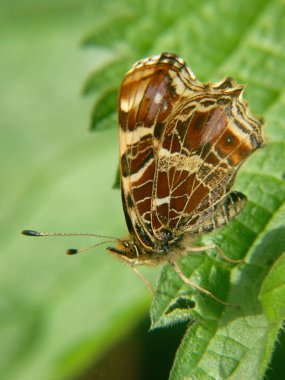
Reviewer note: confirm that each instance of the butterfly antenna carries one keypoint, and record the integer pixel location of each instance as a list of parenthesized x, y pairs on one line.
[(37, 233), (73, 251)]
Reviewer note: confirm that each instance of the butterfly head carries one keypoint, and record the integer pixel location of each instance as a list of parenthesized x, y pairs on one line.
[(126, 250), (136, 253)]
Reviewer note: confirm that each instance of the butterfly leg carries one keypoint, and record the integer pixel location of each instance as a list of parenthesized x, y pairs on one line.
[(144, 280), (218, 249), (195, 286)]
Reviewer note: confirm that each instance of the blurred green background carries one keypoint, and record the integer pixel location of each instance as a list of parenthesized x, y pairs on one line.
[(65, 317), (56, 311)]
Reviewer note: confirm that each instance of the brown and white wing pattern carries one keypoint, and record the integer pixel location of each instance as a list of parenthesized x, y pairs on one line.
[(149, 93), (205, 140), (181, 144)]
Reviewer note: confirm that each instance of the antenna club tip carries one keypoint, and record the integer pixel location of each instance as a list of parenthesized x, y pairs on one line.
[(72, 251), (31, 233)]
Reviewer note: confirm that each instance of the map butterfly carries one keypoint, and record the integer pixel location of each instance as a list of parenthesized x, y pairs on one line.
[(181, 144)]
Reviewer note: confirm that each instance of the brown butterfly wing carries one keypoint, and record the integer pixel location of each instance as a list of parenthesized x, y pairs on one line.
[(205, 141), (147, 97)]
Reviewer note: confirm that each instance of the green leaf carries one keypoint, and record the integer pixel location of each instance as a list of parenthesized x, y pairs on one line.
[(104, 113), (272, 294), (106, 77)]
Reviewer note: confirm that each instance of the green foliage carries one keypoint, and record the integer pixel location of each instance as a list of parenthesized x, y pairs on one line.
[(59, 313), (272, 293)]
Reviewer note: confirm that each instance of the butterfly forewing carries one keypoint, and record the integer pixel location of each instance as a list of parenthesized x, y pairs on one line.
[(147, 98)]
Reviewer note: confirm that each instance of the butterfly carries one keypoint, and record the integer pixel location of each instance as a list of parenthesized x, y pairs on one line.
[(181, 144)]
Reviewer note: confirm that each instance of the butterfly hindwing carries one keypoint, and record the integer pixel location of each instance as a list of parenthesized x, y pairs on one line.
[(205, 141)]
